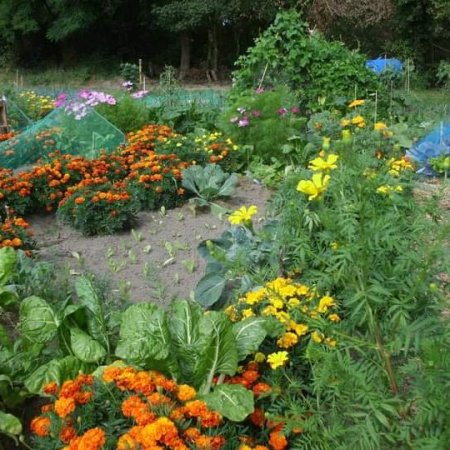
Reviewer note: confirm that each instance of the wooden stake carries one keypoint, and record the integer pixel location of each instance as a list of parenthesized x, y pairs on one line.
[(140, 72)]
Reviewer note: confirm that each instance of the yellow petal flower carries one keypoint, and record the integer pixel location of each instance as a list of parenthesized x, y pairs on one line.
[(324, 164), (278, 359), (356, 103), (315, 187)]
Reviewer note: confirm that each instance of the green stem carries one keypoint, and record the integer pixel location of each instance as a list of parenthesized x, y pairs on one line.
[(385, 355)]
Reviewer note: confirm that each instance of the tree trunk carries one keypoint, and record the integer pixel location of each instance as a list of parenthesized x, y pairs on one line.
[(213, 53), (185, 57)]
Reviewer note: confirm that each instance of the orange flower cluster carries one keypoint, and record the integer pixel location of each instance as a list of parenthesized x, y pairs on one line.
[(145, 169), (248, 379), (14, 233), (156, 412), (6, 136)]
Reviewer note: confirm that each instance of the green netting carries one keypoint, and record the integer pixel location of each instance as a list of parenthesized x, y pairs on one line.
[(59, 131), (209, 97), (17, 119)]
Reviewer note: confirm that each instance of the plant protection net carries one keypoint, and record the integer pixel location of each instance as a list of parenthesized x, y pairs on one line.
[(59, 131), (181, 97)]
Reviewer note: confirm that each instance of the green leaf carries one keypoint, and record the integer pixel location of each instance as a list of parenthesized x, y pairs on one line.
[(185, 335), (94, 315), (219, 350), (5, 341), (8, 260), (233, 401), (7, 297), (84, 347), (144, 335), (209, 289), (228, 186), (10, 424), (58, 370), (38, 321), (249, 334)]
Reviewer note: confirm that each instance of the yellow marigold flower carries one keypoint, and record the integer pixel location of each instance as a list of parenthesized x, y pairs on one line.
[(243, 215), (380, 126), (278, 359), (325, 303), (293, 302), (356, 103), (254, 297), (358, 121), (299, 328), (324, 164), (248, 312), (276, 302), (334, 317), (269, 311), (260, 357), (302, 289), (384, 190), (330, 342), (317, 337), (282, 316), (288, 340), (315, 187), (345, 122)]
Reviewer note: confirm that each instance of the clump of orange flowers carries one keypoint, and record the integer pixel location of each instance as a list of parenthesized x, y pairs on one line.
[(129, 409), (147, 170)]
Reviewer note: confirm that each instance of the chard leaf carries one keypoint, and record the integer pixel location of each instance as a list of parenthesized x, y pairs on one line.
[(185, 335), (58, 370), (84, 347), (145, 338), (94, 310), (10, 424), (38, 321), (233, 401), (249, 335), (219, 352), (8, 260)]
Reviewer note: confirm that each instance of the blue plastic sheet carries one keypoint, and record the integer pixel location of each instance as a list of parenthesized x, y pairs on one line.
[(433, 145), (379, 65)]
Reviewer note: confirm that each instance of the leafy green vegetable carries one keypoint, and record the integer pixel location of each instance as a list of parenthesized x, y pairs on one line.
[(84, 347), (38, 321), (249, 335), (233, 401)]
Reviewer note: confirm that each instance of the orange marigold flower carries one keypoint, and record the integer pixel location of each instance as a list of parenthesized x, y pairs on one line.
[(186, 392), (50, 388), (257, 417), (196, 408), (250, 375), (211, 419), (67, 434), (47, 408), (65, 406), (83, 397), (79, 200), (277, 440), (93, 439), (40, 426), (69, 389), (126, 442), (260, 388)]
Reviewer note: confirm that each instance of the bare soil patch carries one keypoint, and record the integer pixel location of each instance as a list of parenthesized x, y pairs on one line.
[(158, 260)]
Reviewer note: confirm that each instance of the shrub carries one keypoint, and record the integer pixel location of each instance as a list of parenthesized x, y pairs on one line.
[(103, 209), (319, 71)]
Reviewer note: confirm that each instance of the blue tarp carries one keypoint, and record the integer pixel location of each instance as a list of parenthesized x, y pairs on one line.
[(433, 145), (379, 65)]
